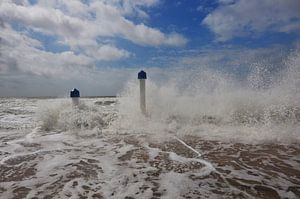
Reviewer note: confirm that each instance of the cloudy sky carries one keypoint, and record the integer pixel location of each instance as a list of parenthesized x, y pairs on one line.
[(47, 47)]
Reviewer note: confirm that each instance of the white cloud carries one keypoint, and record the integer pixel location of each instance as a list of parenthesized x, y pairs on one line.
[(82, 28), (83, 33), (22, 54), (133, 7), (50, 21), (28, 70), (87, 33), (107, 52), (112, 23), (96, 19), (243, 18)]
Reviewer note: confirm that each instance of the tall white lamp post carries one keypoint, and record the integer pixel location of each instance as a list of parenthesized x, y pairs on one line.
[(142, 76)]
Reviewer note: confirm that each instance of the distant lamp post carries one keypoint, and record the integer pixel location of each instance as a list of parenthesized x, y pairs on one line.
[(142, 76), (75, 94)]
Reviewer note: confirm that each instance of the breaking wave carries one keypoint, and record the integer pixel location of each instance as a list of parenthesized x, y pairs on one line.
[(264, 106), (63, 115)]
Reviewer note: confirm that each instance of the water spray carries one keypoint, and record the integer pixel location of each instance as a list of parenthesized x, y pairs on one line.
[(142, 76)]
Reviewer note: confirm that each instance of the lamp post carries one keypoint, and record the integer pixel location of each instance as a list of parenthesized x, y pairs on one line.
[(142, 76), (75, 94)]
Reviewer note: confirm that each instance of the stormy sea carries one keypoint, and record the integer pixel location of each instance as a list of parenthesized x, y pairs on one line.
[(205, 135)]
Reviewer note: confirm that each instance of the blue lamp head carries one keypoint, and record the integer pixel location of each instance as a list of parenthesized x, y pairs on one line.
[(142, 75)]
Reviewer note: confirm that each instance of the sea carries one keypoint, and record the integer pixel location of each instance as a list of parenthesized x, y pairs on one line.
[(204, 135)]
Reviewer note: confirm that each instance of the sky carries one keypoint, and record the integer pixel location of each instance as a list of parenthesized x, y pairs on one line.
[(47, 47)]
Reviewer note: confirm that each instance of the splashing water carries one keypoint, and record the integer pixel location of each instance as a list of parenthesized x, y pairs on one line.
[(213, 105), (64, 116)]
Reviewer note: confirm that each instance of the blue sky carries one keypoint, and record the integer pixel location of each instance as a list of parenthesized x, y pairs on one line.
[(61, 42)]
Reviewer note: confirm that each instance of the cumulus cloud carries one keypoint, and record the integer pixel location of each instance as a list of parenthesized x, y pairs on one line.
[(79, 25), (107, 52), (23, 54), (97, 18), (26, 69), (133, 7), (81, 34), (236, 18)]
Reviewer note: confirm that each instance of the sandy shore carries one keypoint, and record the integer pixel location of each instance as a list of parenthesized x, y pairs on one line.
[(127, 166)]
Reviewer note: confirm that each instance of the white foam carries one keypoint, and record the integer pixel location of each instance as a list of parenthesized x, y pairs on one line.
[(176, 185)]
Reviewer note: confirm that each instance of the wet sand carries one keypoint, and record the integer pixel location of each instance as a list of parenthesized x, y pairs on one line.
[(126, 166)]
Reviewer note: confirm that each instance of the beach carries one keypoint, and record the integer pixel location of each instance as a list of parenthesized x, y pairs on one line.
[(97, 157)]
